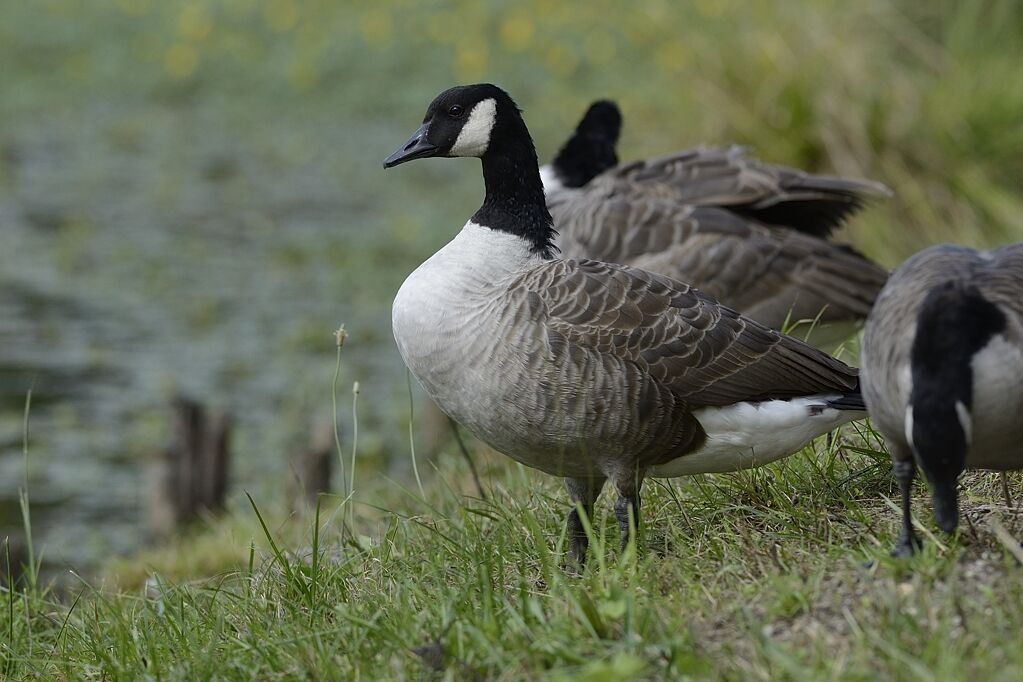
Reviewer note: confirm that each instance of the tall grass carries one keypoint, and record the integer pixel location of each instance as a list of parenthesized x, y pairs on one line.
[(775, 573)]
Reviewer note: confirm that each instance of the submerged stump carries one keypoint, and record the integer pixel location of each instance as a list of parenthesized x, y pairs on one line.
[(311, 466), (190, 476)]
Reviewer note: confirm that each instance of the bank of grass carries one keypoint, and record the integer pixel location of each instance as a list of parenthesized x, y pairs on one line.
[(776, 573)]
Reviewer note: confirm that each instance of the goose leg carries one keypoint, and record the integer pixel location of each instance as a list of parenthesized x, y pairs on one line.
[(583, 492), (627, 508), (908, 543)]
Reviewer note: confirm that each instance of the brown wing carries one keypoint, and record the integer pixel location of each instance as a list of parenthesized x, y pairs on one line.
[(771, 274), (777, 195), (702, 351)]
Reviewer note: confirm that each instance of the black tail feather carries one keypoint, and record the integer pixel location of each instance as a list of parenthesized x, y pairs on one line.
[(849, 401)]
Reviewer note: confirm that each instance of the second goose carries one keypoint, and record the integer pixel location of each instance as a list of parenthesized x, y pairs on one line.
[(753, 235), (942, 362), (588, 370)]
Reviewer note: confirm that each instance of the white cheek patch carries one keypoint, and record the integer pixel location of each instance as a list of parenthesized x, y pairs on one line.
[(965, 421), (474, 137), (908, 426)]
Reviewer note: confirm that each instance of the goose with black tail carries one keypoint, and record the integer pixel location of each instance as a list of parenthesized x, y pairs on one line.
[(588, 370), (750, 234), (942, 361)]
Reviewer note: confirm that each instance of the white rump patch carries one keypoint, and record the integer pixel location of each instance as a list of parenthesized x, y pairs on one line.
[(474, 137), (748, 435)]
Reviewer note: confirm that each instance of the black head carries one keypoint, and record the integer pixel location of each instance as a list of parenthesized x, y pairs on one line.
[(459, 122), (483, 121), (591, 149), (954, 323), (603, 119)]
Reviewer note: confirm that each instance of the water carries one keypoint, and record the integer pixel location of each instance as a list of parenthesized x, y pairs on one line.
[(149, 249)]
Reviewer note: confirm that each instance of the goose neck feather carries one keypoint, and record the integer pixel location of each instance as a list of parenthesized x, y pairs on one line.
[(515, 201)]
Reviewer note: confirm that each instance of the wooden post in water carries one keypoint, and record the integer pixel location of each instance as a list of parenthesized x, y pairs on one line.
[(311, 466), (190, 476)]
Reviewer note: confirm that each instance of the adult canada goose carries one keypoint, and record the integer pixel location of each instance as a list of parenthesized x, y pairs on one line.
[(589, 370), (750, 234), (942, 362)]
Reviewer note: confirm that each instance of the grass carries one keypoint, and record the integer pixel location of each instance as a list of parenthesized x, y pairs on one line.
[(779, 573), (775, 573)]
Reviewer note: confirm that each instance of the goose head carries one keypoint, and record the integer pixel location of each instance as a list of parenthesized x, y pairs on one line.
[(483, 121), (590, 151), (465, 120)]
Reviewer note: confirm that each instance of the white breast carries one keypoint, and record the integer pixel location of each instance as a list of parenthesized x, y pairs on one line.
[(442, 316)]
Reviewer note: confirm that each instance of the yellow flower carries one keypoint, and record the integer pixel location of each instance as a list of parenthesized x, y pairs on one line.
[(562, 61), (134, 7), (303, 75), (280, 15), (470, 61), (672, 56), (195, 23), (516, 32), (439, 27), (181, 60), (376, 27)]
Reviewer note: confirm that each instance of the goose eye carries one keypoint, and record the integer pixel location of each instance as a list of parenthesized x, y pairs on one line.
[(456, 110)]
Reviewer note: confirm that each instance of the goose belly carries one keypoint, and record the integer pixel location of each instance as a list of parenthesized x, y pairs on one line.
[(443, 341), (486, 389), (482, 388), (996, 416), (507, 392), (749, 435)]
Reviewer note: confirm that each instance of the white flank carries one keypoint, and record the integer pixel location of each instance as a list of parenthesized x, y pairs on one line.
[(907, 425), (443, 320), (747, 435), (430, 310), (474, 138)]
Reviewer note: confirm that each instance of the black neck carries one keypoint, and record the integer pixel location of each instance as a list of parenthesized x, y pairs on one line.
[(584, 157), (515, 201), (954, 323)]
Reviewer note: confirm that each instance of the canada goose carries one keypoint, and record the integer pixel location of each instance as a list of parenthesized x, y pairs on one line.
[(589, 370), (942, 362), (752, 235)]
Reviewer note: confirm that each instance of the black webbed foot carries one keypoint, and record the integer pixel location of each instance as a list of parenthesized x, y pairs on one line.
[(907, 546), (908, 543)]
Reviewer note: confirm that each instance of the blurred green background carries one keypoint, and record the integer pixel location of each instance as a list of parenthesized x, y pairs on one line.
[(192, 199)]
